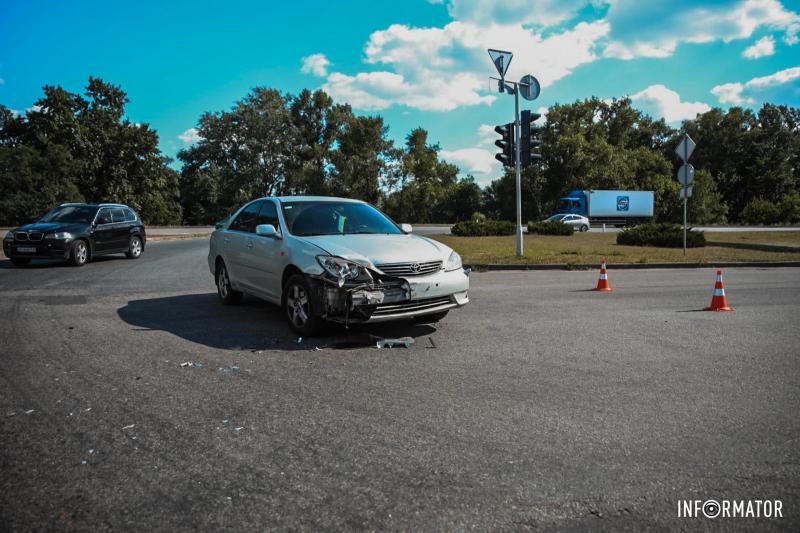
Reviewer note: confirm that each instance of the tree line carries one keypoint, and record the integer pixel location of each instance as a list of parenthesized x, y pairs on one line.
[(82, 147)]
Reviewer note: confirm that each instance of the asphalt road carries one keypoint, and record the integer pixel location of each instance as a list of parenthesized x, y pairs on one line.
[(539, 406)]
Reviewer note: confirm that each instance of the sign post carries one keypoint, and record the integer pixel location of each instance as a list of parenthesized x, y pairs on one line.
[(684, 150)]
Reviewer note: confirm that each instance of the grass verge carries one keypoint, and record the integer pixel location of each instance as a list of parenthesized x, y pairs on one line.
[(593, 247)]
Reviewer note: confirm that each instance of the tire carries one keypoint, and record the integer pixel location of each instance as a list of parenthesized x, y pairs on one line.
[(430, 319), (135, 248), (20, 261), (79, 253), (296, 306), (225, 291), (584, 228)]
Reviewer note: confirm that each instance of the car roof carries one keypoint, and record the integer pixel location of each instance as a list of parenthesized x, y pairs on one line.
[(284, 199), (94, 204)]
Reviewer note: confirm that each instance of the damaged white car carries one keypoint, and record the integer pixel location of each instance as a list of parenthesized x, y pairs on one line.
[(333, 259)]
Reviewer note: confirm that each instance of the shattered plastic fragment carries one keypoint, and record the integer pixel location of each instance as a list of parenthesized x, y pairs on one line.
[(29, 411), (402, 342), (194, 364), (129, 427), (299, 340), (229, 369), (239, 428)]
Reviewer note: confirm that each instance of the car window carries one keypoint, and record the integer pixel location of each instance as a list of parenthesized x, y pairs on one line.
[(306, 218), (129, 215), (71, 213), (246, 219), (118, 215), (104, 213), (268, 215)]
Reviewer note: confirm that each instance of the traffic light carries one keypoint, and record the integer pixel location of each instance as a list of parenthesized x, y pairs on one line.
[(529, 139), (506, 143)]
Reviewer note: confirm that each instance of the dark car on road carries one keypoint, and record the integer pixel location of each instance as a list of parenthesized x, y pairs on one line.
[(77, 233)]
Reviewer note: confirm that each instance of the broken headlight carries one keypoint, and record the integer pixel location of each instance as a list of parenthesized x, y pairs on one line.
[(453, 262), (342, 269)]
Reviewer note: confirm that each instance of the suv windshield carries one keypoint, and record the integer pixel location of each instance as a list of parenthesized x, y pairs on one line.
[(71, 213), (305, 219)]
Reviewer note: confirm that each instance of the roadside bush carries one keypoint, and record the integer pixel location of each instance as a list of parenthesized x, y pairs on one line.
[(550, 227), (664, 235), (471, 228), (761, 211), (790, 208)]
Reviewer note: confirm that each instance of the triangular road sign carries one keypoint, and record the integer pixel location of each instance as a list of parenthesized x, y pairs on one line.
[(501, 60)]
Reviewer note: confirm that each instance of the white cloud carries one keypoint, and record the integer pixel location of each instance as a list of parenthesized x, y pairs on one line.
[(316, 64), (654, 28), (660, 101), (761, 48), (190, 136), (543, 12), (486, 134), (472, 160), (782, 86), (445, 68)]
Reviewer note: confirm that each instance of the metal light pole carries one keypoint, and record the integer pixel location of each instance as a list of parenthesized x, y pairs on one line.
[(518, 170), (530, 89)]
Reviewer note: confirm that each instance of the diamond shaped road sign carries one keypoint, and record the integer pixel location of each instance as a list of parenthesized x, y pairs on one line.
[(685, 148), (501, 60)]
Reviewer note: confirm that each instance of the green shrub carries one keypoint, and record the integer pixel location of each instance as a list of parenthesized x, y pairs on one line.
[(790, 208), (470, 228), (550, 227), (664, 235), (478, 217), (761, 211)]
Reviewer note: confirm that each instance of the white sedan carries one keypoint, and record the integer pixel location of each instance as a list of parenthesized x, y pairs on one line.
[(578, 222), (333, 259)]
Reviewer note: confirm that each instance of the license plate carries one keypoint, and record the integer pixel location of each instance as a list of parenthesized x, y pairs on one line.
[(26, 250)]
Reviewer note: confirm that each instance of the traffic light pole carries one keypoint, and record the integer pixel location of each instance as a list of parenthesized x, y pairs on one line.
[(518, 169)]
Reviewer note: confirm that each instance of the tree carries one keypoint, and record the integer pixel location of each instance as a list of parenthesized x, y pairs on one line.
[(70, 147)]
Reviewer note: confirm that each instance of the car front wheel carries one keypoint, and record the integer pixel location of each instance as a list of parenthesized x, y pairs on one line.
[(227, 295), (79, 255), (584, 228), (296, 304)]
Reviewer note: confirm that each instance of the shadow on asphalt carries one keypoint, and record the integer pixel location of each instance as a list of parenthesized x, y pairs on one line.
[(755, 246), (252, 325), (57, 263)]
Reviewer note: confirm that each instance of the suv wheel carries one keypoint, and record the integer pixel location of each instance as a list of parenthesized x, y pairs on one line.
[(135, 248), (225, 291), (20, 261), (296, 304), (79, 255)]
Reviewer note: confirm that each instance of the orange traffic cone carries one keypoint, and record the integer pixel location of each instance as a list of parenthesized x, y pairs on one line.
[(602, 283), (718, 300)]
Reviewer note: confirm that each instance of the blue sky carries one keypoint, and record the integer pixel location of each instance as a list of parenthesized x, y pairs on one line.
[(415, 62)]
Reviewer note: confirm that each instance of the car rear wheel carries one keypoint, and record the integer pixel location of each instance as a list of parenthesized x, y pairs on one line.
[(296, 304), (79, 255), (225, 291), (430, 319), (20, 261), (135, 248)]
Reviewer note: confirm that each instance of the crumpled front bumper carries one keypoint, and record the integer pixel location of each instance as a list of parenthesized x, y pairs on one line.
[(391, 298)]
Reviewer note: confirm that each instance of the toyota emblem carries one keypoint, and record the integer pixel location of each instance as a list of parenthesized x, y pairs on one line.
[(414, 267)]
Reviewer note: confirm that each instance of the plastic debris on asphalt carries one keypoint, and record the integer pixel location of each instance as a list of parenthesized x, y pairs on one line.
[(402, 342), (29, 411), (195, 364), (299, 340), (229, 369), (130, 427)]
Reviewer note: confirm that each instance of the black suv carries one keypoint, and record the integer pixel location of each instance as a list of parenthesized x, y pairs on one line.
[(77, 232)]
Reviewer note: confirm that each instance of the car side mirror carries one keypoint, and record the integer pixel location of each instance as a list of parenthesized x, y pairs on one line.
[(266, 230), (406, 228)]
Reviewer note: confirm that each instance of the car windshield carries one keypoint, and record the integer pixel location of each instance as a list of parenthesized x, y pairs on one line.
[(305, 219), (71, 213), (556, 218)]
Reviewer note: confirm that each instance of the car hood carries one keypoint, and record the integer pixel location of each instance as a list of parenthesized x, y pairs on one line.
[(381, 249), (45, 227)]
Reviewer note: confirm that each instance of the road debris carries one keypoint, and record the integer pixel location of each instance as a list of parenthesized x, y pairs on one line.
[(29, 411), (402, 342), (129, 427), (432, 343), (233, 369), (299, 340), (190, 364), (239, 428)]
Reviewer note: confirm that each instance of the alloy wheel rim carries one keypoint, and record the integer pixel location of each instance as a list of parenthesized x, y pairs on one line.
[(137, 247), (81, 252), (222, 283), (297, 305)]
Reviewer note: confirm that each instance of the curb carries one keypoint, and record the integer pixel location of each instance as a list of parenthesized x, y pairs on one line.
[(635, 266)]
